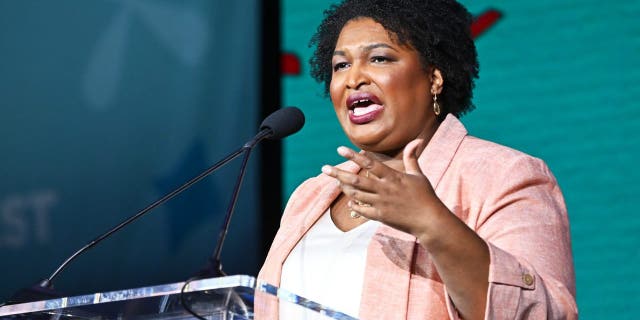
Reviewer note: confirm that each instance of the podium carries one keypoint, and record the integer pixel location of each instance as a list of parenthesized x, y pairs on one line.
[(224, 298)]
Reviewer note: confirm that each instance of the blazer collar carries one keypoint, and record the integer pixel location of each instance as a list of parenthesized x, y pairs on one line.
[(439, 152)]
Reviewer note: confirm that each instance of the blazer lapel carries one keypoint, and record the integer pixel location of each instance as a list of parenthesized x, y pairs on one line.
[(437, 156), (301, 216)]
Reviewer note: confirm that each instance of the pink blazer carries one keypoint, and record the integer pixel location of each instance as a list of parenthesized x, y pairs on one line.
[(509, 198)]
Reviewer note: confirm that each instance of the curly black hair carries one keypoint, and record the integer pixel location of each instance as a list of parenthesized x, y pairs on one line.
[(439, 30)]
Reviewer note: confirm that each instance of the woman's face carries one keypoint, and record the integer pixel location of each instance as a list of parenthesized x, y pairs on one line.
[(380, 90)]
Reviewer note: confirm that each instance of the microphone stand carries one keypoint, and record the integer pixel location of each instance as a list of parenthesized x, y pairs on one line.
[(44, 288), (214, 266)]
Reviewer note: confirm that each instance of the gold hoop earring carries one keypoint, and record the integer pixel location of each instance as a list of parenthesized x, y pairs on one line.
[(436, 105)]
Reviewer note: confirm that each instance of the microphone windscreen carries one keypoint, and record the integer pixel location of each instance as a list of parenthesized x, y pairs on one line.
[(283, 122)]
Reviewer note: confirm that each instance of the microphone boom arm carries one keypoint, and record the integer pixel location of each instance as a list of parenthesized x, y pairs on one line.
[(47, 283)]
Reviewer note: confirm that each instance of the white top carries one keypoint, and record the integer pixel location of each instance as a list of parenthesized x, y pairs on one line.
[(327, 266)]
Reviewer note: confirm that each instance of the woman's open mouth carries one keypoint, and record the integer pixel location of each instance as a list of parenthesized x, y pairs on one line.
[(363, 107)]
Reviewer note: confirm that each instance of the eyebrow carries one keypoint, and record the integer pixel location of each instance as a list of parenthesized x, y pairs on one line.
[(366, 48)]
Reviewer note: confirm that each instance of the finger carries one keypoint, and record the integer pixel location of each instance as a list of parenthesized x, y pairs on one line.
[(367, 211), (365, 161), (410, 157), (360, 195), (346, 178), (358, 157)]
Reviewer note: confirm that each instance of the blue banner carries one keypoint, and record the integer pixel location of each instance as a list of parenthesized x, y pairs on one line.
[(558, 80)]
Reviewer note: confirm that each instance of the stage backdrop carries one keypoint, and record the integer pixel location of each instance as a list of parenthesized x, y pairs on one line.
[(558, 80), (104, 107)]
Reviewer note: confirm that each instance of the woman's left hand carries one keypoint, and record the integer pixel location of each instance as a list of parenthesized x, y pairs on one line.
[(407, 202), (402, 200)]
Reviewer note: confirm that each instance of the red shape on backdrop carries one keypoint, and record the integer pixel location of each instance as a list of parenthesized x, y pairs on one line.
[(484, 21), (290, 64)]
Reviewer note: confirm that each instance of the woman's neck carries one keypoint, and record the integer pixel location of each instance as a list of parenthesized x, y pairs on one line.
[(392, 160)]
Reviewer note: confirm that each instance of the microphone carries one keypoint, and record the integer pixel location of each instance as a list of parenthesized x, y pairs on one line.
[(279, 124), (283, 122)]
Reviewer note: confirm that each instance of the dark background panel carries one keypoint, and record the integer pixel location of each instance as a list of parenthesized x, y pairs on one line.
[(107, 105)]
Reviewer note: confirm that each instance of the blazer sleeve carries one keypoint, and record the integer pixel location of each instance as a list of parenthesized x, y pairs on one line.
[(524, 221)]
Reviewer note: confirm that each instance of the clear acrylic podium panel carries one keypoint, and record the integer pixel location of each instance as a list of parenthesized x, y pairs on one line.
[(224, 298)]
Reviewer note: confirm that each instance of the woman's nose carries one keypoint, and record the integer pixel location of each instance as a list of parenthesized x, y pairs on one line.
[(356, 77)]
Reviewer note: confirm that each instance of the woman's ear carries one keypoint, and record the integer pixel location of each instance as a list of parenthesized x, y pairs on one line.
[(437, 81)]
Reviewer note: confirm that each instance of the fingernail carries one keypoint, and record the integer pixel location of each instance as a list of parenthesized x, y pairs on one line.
[(326, 169), (349, 204), (343, 151)]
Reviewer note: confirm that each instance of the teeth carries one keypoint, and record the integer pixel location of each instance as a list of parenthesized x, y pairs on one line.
[(360, 101)]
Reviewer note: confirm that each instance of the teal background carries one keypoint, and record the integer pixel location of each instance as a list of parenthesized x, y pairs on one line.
[(558, 80), (104, 107)]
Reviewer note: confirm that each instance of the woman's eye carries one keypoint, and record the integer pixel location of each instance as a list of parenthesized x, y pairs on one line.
[(378, 59), (339, 66)]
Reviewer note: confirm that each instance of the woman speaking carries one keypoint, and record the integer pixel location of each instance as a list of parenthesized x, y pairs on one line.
[(426, 221)]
